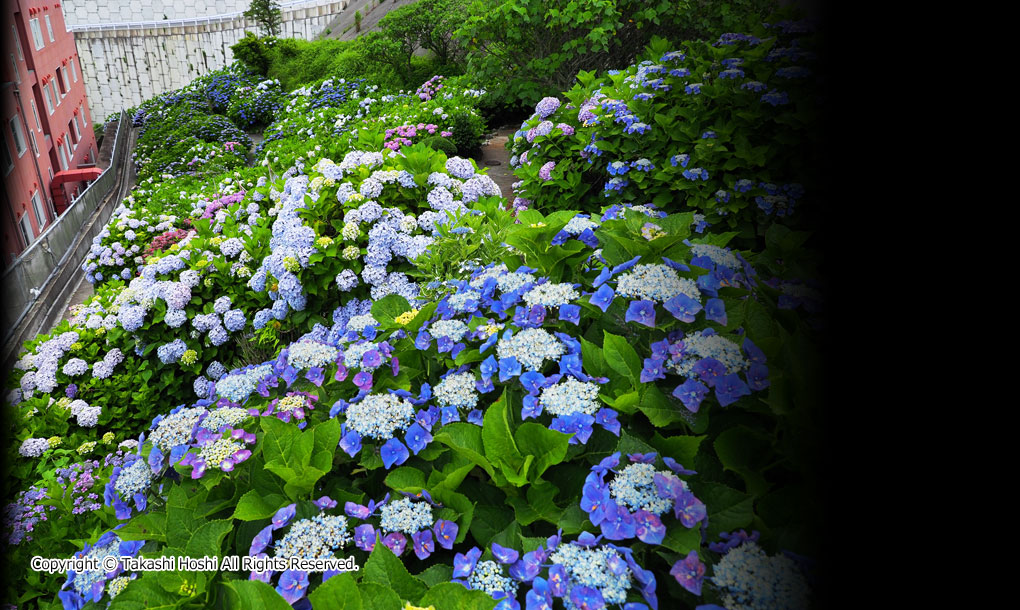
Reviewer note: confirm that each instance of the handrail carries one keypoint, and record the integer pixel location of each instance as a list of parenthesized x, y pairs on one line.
[(41, 257), (166, 23), (53, 225)]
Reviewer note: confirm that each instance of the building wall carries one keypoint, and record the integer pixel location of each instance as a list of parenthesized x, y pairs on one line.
[(80, 12), (39, 71), (125, 66)]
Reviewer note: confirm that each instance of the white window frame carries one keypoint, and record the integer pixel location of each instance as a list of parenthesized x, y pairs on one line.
[(40, 212), (35, 143), (25, 224), (74, 70), (7, 154), (77, 130), (17, 73), (49, 28), (63, 158), (81, 113), (48, 98), (19, 138), (36, 33), (77, 134), (70, 153), (17, 40), (56, 94), (67, 82), (60, 82), (35, 111)]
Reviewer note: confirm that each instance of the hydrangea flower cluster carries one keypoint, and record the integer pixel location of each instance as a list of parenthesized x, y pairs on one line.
[(708, 361), (380, 417), (319, 537), (748, 579), (83, 587), (291, 406), (22, 515), (408, 516), (222, 450), (632, 502), (129, 481), (81, 477)]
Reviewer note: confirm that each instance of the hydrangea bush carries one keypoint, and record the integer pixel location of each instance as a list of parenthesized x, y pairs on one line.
[(720, 127), (354, 349)]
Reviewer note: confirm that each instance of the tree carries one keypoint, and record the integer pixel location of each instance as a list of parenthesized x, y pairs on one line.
[(267, 14)]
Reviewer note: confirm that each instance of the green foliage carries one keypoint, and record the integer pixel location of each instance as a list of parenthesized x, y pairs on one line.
[(713, 137), (267, 14), (253, 51), (442, 144), (526, 49)]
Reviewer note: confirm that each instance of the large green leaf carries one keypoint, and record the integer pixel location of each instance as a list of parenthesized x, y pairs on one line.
[(254, 506), (245, 594), (496, 436), (300, 459), (745, 452), (379, 597), (452, 596), (728, 509), (405, 478), (466, 440), (682, 448), (660, 409), (436, 574), (384, 568), (548, 446), (463, 509), (208, 538), (622, 357), (145, 592), (338, 593), (537, 505), (389, 307)]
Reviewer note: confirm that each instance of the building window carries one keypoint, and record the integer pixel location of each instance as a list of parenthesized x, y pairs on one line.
[(40, 213), (17, 74), (74, 71), (35, 111), (49, 28), (17, 40), (26, 230), (72, 128), (19, 138), (36, 34), (55, 96), (35, 144), (60, 82), (78, 129), (67, 148), (81, 113), (8, 160), (67, 83), (63, 157), (48, 98)]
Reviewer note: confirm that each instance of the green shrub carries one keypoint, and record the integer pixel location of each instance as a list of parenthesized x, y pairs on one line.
[(468, 129), (442, 144)]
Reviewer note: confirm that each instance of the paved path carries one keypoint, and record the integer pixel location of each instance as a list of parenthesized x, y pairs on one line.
[(495, 158), (84, 289)]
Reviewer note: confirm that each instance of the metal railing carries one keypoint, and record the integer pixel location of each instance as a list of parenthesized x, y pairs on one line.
[(169, 23), (31, 273)]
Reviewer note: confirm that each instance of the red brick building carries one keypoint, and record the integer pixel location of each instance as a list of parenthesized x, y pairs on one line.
[(46, 123)]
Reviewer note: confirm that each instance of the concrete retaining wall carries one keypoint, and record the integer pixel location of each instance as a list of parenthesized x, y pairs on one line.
[(126, 64)]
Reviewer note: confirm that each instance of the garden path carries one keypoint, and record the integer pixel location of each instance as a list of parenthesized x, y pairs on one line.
[(495, 158), (84, 289)]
